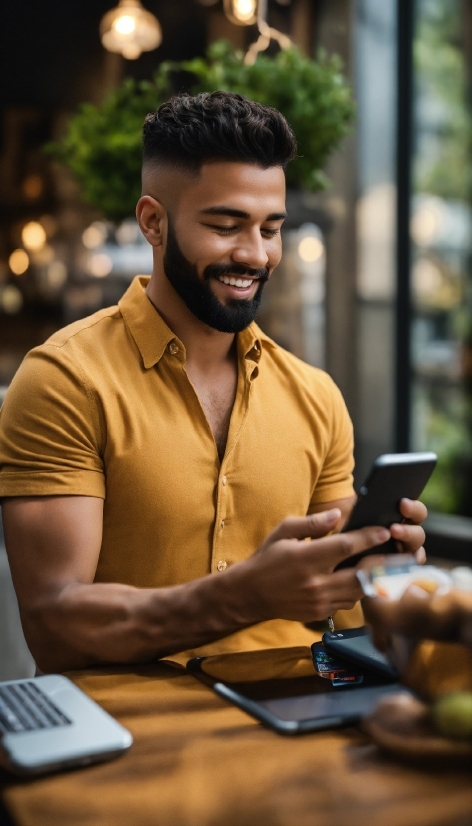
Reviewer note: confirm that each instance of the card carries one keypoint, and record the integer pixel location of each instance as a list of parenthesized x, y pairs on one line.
[(330, 668), (352, 679)]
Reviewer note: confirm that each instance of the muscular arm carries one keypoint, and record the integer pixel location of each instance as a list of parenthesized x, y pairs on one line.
[(69, 621)]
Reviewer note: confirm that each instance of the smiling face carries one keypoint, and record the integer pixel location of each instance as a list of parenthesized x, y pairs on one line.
[(219, 239)]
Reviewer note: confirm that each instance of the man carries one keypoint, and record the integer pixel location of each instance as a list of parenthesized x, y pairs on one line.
[(147, 451)]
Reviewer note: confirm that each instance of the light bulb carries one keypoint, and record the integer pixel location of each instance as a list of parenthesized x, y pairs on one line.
[(241, 12), (124, 24), (129, 30)]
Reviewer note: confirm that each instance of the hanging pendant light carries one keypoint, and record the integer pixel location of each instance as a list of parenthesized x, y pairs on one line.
[(129, 30), (241, 12)]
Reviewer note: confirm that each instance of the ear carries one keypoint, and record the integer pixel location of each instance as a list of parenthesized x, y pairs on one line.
[(152, 220)]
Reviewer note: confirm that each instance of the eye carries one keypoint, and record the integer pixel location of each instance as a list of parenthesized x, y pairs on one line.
[(271, 233), (226, 230), (223, 230)]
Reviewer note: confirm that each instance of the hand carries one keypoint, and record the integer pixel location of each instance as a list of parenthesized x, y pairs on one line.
[(421, 614), (410, 535), (292, 578)]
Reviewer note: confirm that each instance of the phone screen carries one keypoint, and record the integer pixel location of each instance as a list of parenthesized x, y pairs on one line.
[(310, 700)]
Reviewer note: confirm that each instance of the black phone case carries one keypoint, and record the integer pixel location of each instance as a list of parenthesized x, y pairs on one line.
[(392, 478), (374, 661)]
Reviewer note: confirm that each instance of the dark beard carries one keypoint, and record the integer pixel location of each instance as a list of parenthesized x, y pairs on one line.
[(200, 298)]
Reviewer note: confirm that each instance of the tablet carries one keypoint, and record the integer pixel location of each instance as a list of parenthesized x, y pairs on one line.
[(297, 704)]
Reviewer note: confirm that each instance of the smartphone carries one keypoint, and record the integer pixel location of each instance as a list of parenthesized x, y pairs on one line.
[(356, 647), (393, 476)]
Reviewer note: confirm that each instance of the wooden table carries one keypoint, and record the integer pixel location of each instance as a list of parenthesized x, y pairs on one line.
[(199, 762)]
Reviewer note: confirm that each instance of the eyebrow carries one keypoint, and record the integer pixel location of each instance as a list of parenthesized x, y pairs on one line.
[(239, 213)]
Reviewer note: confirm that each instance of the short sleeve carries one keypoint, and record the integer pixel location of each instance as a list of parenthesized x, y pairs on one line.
[(49, 430), (336, 480)]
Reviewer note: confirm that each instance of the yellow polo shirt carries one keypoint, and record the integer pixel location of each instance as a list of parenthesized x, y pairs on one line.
[(105, 408)]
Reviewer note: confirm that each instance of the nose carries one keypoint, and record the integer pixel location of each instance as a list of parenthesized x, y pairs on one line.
[(251, 251)]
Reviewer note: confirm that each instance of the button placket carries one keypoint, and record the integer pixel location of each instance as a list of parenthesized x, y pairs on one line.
[(221, 541), (218, 537)]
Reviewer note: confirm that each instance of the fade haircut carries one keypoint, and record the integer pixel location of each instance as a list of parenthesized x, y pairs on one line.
[(189, 131)]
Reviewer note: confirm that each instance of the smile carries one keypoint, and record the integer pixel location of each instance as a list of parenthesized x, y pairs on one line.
[(233, 281)]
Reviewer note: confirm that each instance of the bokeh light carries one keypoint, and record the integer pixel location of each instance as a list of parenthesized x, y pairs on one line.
[(100, 265), (424, 227), (18, 261), (241, 12), (33, 236), (310, 249), (56, 274), (33, 187), (124, 24), (11, 300), (43, 256), (94, 235)]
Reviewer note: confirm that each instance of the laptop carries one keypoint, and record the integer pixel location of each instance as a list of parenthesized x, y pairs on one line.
[(48, 724)]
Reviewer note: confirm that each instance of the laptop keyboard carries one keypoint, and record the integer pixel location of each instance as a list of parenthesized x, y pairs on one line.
[(24, 707)]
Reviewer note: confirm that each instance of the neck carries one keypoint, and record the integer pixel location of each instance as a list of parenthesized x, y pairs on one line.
[(206, 348)]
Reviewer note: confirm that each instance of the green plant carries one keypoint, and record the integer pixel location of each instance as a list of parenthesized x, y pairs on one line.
[(102, 146), (313, 95)]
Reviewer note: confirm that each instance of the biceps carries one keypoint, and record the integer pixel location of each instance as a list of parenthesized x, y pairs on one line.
[(51, 541)]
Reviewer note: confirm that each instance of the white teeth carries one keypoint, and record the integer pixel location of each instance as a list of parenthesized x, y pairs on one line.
[(231, 281)]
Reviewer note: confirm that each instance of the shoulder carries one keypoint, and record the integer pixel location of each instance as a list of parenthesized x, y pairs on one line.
[(295, 370), (80, 346), (91, 327), (66, 359)]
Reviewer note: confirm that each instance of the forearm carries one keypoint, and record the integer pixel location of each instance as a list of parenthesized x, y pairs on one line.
[(86, 624)]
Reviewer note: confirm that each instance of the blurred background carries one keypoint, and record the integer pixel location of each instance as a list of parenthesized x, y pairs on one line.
[(375, 282)]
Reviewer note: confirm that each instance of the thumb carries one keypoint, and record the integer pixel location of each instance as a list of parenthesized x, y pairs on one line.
[(306, 527)]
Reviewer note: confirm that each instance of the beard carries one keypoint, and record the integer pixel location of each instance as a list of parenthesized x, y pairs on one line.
[(198, 296)]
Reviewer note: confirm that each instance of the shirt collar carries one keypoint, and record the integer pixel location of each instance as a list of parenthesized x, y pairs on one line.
[(148, 328), (152, 335)]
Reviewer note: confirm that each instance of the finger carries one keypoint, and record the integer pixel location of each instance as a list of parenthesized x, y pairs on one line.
[(380, 639), (331, 550), (327, 593), (420, 556), (414, 510), (344, 583), (404, 615), (301, 527), (375, 560), (411, 537)]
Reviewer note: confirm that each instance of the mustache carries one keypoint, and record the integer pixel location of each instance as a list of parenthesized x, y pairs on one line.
[(214, 270)]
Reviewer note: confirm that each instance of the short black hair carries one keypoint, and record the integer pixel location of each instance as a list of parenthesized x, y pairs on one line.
[(188, 131)]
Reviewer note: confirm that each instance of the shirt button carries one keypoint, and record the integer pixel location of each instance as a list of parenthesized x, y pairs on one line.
[(222, 565), (223, 480), (222, 524), (173, 349)]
